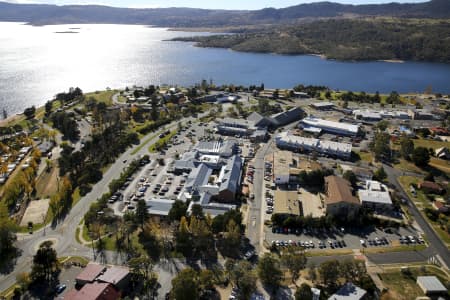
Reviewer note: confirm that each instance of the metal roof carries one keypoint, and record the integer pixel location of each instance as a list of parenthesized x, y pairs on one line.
[(431, 284), (348, 291)]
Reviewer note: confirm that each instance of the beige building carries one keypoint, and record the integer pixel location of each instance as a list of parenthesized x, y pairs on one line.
[(286, 203), (339, 199)]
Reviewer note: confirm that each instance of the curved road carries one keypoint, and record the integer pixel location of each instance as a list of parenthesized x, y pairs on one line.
[(63, 234)]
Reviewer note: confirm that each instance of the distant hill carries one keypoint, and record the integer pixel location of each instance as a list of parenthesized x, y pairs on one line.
[(344, 39), (39, 14)]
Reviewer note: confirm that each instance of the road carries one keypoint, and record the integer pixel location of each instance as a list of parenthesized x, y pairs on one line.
[(63, 234), (437, 247), (255, 223)]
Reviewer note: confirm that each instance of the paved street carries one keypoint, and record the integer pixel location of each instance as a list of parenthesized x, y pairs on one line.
[(63, 234), (436, 245)]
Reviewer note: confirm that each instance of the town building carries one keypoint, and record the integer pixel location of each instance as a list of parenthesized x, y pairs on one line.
[(338, 128), (213, 180), (288, 141), (323, 105), (116, 275), (90, 273), (431, 286), (420, 114), (287, 203), (375, 196), (94, 291), (349, 291), (286, 167), (339, 199), (256, 125), (100, 282)]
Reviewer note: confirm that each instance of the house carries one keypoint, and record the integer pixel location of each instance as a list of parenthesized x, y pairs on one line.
[(94, 291), (442, 153), (439, 131), (339, 199), (431, 187), (375, 196), (89, 273), (440, 205), (431, 285), (349, 291), (117, 276)]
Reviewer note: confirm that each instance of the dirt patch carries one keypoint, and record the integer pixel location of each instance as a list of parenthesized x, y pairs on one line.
[(311, 204), (36, 212), (47, 183)]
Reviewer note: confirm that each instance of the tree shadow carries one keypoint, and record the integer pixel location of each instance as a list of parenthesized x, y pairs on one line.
[(9, 260)]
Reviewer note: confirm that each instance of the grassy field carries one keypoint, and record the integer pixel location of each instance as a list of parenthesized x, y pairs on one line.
[(403, 286), (329, 252), (408, 166), (440, 164), (430, 143), (104, 96), (366, 156), (162, 141), (395, 249)]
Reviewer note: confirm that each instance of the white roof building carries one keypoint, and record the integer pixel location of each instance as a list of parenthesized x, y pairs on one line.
[(293, 142), (331, 126), (375, 195), (431, 285)]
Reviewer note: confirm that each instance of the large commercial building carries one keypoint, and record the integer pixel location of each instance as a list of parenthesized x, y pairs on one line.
[(214, 177), (288, 141), (338, 128), (256, 125)]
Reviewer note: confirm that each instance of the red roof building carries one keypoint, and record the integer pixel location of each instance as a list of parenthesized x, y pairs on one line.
[(94, 291), (118, 276), (90, 273)]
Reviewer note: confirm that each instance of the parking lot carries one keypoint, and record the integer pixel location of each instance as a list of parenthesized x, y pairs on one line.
[(156, 179), (340, 238)]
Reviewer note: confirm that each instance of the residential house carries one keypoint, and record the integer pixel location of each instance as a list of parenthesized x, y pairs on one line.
[(431, 187), (349, 291)]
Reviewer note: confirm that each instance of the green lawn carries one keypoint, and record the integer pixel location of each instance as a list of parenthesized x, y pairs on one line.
[(103, 96), (395, 249), (405, 165), (366, 156), (440, 164), (162, 141), (430, 143)]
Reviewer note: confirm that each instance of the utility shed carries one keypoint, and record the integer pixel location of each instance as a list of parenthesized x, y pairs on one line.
[(431, 285)]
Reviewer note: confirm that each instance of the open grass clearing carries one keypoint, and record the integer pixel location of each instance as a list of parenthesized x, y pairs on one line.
[(427, 143), (440, 164), (162, 141), (403, 286), (103, 96)]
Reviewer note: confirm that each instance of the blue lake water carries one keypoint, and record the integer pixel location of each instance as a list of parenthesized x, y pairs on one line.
[(36, 63)]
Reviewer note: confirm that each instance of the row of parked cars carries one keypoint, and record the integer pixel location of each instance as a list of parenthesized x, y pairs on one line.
[(411, 240), (382, 241), (267, 171)]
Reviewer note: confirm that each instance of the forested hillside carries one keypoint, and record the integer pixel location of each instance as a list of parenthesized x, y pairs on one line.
[(345, 39)]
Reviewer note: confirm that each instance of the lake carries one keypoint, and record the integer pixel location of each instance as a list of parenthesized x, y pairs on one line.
[(38, 62)]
